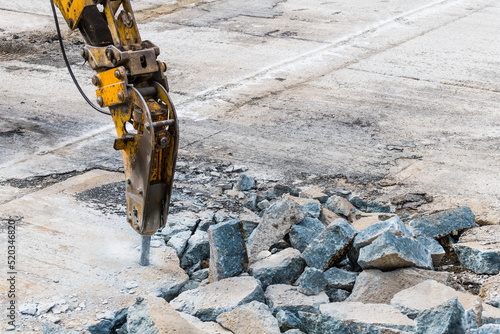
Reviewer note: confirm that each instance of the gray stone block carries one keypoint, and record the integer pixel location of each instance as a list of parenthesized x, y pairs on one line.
[(434, 247), (490, 291), (245, 182), (200, 275), (208, 301), (375, 286), (479, 249), (369, 206), (179, 222), (228, 253), (286, 297), (369, 234), (443, 223), (479, 260), (287, 320), (445, 318), (368, 314), (283, 267), (170, 290), (389, 252), (340, 279), (254, 317), (330, 246), (487, 329), (197, 250), (312, 281), (313, 323), (311, 209), (179, 241), (251, 202), (275, 224), (340, 206), (139, 319), (304, 232), (337, 295)]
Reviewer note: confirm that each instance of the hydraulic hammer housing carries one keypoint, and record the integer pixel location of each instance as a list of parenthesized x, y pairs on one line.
[(130, 81)]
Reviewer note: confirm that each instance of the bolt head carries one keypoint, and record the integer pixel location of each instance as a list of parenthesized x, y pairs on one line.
[(95, 80), (84, 53), (118, 74), (121, 96), (100, 102)]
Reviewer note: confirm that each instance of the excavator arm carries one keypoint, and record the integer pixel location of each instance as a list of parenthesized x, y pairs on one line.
[(130, 81)]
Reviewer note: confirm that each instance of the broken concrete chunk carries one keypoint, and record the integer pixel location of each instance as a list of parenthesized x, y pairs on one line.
[(251, 202), (208, 327), (27, 309), (288, 298), (430, 294), (280, 190), (326, 216), (362, 220), (448, 317), (254, 317), (337, 295), (312, 281), (283, 267), (303, 233), (208, 301), (314, 193), (228, 253), (375, 286), (171, 289), (490, 291), (311, 209), (393, 225), (179, 222), (434, 247), (179, 241), (340, 279), (368, 314), (287, 320), (275, 224), (487, 329), (443, 223), (200, 275), (154, 316), (245, 182), (313, 323), (340, 206), (197, 249), (369, 206), (139, 318), (331, 246), (479, 249), (389, 252)]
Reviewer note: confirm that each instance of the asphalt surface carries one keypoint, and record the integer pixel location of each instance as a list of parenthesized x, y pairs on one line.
[(382, 97)]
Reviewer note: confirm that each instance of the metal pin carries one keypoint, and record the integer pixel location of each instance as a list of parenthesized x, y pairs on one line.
[(145, 247)]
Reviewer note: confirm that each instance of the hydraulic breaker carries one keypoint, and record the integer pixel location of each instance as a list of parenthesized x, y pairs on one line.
[(130, 81)]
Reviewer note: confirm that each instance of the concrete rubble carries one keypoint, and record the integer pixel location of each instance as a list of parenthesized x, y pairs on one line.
[(302, 280)]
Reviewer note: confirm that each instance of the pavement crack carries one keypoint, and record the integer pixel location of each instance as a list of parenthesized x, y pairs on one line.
[(201, 139)]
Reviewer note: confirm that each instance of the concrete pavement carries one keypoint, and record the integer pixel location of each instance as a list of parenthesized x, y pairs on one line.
[(384, 98)]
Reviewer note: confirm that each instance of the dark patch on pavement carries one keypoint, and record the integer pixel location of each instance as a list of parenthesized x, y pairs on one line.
[(108, 198), (40, 181)]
